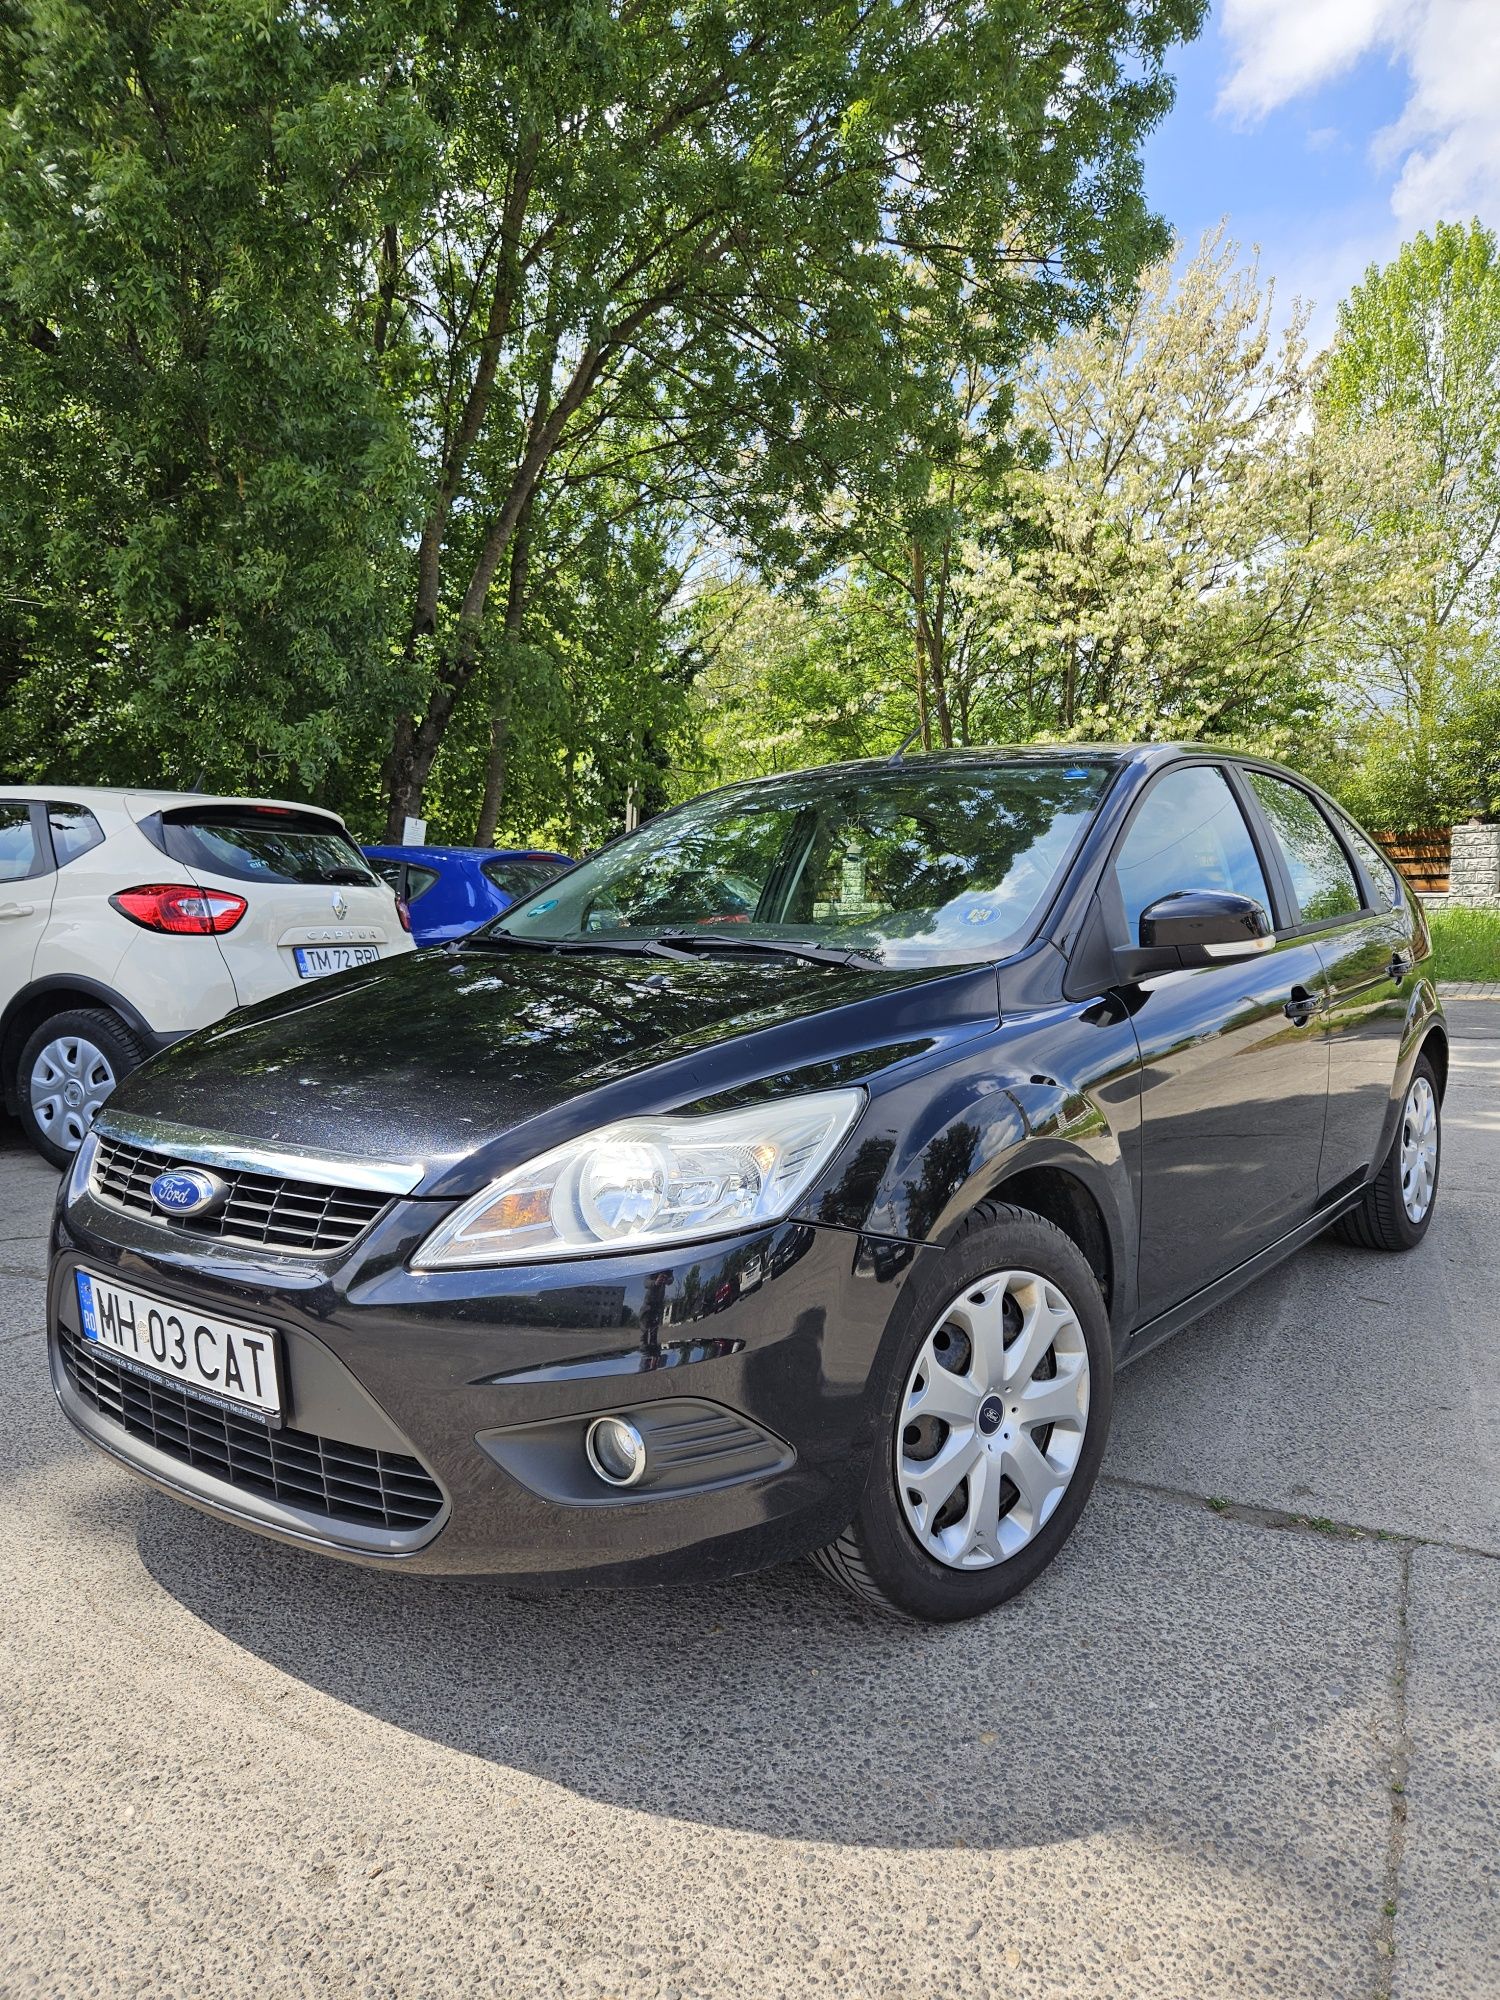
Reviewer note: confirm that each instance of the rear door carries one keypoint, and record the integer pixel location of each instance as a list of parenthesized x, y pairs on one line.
[(313, 904), (27, 882), (1234, 1075), (1352, 908)]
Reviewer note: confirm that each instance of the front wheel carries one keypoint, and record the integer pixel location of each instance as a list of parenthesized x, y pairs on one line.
[(1396, 1208), (993, 1429), (68, 1069)]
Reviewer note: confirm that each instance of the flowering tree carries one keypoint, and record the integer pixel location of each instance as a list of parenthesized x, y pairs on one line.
[(1185, 547)]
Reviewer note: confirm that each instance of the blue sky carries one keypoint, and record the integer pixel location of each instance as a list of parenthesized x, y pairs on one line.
[(1328, 130)]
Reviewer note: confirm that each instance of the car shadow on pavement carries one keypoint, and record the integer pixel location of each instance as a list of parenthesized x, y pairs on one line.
[(1146, 1675)]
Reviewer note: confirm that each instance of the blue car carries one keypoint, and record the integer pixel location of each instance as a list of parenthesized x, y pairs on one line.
[(451, 889)]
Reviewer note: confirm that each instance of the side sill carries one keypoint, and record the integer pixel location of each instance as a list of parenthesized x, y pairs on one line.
[(1154, 1331)]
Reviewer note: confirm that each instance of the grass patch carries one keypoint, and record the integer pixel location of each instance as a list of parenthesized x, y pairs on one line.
[(1321, 1525), (1466, 943)]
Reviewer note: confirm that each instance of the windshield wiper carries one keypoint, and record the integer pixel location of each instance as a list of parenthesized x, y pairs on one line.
[(820, 954), (635, 947)]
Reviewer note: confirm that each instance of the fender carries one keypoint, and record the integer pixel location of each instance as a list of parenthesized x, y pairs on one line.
[(929, 1159), (1424, 1017)]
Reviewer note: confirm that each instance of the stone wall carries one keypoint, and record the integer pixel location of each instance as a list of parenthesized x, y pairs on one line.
[(1474, 869)]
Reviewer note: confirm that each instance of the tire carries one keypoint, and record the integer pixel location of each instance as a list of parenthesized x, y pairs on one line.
[(1008, 1271), (1383, 1218), (68, 1067)]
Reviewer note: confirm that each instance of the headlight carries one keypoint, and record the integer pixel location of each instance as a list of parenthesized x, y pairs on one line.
[(649, 1180)]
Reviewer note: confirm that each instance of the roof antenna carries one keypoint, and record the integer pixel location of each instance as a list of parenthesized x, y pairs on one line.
[(897, 755)]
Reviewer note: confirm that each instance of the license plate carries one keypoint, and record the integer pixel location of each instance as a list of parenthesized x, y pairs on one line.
[(317, 960), (216, 1359)]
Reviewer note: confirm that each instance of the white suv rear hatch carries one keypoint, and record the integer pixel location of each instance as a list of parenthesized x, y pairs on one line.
[(313, 904)]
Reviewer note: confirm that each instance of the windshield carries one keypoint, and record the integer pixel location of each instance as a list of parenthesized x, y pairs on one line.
[(944, 863)]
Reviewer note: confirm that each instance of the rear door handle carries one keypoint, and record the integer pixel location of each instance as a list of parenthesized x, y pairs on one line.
[(1301, 1007), (17, 909), (1401, 963)]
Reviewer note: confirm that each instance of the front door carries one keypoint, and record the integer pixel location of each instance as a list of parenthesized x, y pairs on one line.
[(1234, 1068), (26, 886)]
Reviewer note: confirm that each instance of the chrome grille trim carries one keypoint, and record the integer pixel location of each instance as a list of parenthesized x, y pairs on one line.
[(262, 1211), (199, 1147)]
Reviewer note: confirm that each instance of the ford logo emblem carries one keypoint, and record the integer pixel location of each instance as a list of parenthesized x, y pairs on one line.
[(188, 1191)]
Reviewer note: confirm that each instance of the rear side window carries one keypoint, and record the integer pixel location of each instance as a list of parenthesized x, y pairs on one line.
[(1382, 875), (521, 878), (1322, 879), (18, 848), (418, 880), (1189, 834), (388, 871), (259, 844), (74, 832)]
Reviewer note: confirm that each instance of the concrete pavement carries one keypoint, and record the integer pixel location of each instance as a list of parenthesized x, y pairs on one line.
[(1241, 1748)]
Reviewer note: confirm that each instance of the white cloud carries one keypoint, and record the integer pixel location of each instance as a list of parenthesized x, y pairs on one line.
[(1445, 147)]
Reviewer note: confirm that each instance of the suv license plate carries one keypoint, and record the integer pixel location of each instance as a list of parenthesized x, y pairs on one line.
[(216, 1359), (315, 961)]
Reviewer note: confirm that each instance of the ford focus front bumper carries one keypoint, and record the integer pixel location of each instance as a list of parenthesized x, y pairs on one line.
[(437, 1420)]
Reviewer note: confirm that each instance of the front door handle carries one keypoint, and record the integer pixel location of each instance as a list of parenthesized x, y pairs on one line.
[(1301, 1007), (17, 909)]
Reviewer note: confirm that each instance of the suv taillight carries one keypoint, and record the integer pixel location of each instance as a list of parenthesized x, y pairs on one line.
[(180, 908), (403, 911)]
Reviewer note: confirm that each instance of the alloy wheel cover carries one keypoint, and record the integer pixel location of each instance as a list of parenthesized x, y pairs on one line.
[(992, 1420), (1419, 1148), (70, 1080)]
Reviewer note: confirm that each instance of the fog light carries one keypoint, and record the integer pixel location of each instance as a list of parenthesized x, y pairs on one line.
[(616, 1450)]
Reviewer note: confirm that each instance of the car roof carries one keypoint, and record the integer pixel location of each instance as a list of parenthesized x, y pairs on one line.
[(143, 800), (1025, 753), (429, 853), (970, 756), (979, 756)]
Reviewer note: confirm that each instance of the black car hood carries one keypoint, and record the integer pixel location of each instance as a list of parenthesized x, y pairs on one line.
[(437, 1057)]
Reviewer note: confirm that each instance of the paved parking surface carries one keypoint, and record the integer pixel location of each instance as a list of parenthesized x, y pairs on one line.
[(1241, 1740)]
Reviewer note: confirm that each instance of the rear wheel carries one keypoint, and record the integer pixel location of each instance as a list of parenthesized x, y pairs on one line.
[(1396, 1208), (69, 1066), (993, 1428)]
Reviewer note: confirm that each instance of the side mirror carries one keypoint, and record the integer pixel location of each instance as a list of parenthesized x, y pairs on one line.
[(1196, 927)]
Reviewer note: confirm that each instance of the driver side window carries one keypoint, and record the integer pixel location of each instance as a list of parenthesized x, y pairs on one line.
[(1188, 834)]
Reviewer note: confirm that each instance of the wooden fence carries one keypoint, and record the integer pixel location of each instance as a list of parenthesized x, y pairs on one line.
[(1422, 857)]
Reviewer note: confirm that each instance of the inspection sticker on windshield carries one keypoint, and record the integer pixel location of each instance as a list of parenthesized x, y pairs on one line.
[(217, 1360)]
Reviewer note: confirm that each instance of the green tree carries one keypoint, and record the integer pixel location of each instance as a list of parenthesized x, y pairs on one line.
[(206, 484), (313, 319), (1182, 552), (789, 679), (1418, 348), (709, 220)]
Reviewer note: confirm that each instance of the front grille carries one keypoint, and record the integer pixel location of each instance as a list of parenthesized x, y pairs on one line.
[(347, 1482), (262, 1209)]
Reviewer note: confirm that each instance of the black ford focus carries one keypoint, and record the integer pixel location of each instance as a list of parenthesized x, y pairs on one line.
[(789, 1179)]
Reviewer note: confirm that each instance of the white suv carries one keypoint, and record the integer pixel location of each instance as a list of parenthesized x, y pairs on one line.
[(127, 919)]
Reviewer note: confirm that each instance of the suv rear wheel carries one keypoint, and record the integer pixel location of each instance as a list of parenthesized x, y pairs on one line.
[(993, 1427), (68, 1067)]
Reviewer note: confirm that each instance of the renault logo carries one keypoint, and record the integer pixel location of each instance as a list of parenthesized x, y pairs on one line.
[(340, 906)]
